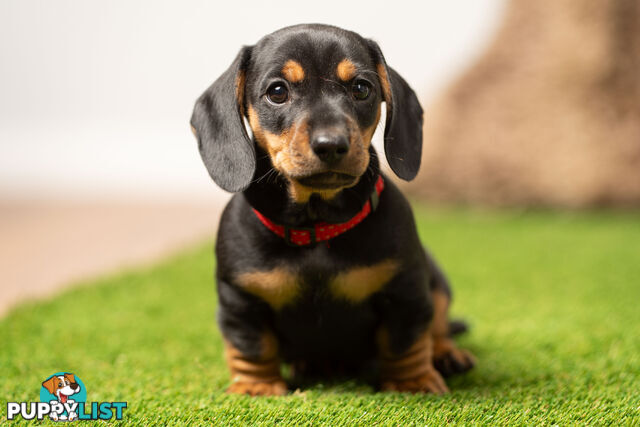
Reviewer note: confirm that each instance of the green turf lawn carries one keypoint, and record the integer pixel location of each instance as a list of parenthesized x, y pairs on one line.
[(553, 300)]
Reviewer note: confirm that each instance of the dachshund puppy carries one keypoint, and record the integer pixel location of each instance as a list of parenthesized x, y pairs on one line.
[(319, 264)]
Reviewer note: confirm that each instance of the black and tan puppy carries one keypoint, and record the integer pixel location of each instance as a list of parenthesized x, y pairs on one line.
[(319, 263)]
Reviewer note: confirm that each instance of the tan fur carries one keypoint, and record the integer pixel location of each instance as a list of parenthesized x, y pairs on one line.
[(293, 142), (240, 80), (277, 146), (301, 193), (443, 346), (275, 388), (411, 371), (367, 133), (384, 83), (291, 153), (359, 283), (278, 287), (345, 70), (293, 71), (255, 376)]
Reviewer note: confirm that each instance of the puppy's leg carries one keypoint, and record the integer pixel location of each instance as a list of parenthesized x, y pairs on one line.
[(251, 349), (448, 358), (405, 344), (411, 370), (256, 376)]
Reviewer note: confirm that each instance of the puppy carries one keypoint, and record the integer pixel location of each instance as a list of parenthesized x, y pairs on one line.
[(62, 386), (319, 264)]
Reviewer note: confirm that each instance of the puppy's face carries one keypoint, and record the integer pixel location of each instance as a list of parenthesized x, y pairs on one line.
[(67, 385), (313, 103), (62, 385), (312, 95)]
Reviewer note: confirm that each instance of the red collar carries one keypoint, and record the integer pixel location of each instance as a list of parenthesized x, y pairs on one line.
[(322, 231)]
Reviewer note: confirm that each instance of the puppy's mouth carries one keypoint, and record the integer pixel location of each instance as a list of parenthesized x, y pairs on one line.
[(328, 180)]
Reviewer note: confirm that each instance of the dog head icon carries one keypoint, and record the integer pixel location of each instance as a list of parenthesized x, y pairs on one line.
[(62, 386)]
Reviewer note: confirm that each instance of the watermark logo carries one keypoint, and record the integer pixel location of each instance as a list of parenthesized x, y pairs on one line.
[(63, 397)]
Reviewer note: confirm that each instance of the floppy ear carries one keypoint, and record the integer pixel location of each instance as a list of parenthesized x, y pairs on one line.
[(70, 377), (50, 384), (225, 146), (403, 129)]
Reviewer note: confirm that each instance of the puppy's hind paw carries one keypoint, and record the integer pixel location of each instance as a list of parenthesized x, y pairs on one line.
[(450, 360)]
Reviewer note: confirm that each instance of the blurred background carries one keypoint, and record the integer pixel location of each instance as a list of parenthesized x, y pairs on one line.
[(527, 104)]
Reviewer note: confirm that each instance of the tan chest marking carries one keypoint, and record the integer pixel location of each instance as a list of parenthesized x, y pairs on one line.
[(278, 287), (359, 283)]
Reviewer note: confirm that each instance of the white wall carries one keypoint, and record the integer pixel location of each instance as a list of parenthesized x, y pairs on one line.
[(95, 96)]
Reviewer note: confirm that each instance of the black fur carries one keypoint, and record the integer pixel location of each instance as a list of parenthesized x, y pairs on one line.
[(403, 132), (225, 146), (317, 327)]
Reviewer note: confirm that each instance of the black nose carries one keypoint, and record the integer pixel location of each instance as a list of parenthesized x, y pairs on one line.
[(330, 148)]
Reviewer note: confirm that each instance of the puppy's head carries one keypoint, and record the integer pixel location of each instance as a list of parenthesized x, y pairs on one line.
[(62, 385), (312, 97)]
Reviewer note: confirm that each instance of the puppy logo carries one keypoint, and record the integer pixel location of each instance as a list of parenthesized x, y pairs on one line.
[(63, 397), (62, 386), (64, 391)]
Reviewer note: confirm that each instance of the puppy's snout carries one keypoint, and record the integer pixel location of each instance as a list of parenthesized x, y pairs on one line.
[(74, 386), (330, 147)]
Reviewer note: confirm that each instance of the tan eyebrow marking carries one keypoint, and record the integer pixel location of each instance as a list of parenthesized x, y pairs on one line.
[(345, 70), (293, 71)]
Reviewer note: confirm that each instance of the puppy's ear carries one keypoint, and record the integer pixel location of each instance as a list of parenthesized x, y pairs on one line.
[(225, 146), (70, 377), (51, 384), (403, 129)]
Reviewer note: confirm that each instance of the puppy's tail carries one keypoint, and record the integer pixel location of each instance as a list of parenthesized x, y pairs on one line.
[(458, 327)]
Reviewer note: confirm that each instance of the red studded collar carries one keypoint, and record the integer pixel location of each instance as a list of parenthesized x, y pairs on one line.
[(323, 231)]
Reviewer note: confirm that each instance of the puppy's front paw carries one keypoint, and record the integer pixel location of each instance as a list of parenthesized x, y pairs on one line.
[(429, 382), (449, 359), (274, 388)]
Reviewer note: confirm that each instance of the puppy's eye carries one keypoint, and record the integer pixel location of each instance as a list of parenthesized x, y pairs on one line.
[(59, 385), (361, 89), (278, 93)]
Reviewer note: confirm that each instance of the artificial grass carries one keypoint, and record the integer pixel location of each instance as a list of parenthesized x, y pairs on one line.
[(553, 300)]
